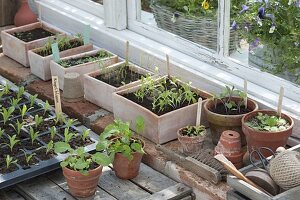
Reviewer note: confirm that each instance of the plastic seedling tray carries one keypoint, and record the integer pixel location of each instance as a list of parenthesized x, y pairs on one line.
[(43, 163)]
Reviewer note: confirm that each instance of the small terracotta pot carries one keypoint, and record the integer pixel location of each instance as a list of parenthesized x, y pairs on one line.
[(190, 145), (24, 15), (219, 123), (125, 168), (229, 143), (273, 140), (81, 185)]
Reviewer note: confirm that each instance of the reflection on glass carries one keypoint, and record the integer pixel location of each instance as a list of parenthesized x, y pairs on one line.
[(272, 29)]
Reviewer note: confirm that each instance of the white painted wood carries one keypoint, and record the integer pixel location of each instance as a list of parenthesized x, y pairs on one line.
[(115, 14), (88, 6)]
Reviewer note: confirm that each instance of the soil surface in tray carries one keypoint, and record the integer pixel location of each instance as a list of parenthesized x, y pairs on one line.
[(4, 170), (35, 34), (119, 77), (220, 109), (41, 154), (77, 61), (22, 162), (72, 44), (147, 102)]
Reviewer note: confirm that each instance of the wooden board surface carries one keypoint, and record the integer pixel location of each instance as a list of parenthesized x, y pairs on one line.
[(150, 184)]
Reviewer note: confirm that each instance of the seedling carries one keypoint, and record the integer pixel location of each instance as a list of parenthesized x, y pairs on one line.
[(28, 157), (6, 113), (1, 132), (5, 90), (69, 122), (12, 142), (33, 134), (14, 102), (68, 135), (49, 147), (32, 99), (192, 131), (59, 118), (53, 132), (20, 92), (9, 161), (38, 120), (85, 134), (24, 110), (46, 107), (18, 126)]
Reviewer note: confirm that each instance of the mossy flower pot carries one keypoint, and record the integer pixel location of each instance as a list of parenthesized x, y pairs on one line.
[(158, 128), (273, 140), (82, 186), (219, 123), (81, 69), (40, 66), (18, 49), (190, 144), (99, 92)]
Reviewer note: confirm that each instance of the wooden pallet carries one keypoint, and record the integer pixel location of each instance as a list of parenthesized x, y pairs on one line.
[(149, 185)]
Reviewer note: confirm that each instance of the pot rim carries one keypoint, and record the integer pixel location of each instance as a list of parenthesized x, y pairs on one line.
[(220, 115), (137, 138), (285, 116), (179, 134), (74, 171)]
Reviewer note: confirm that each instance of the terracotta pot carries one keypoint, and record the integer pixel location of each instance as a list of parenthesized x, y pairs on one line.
[(229, 143), (273, 140), (125, 168), (190, 145), (219, 123), (82, 185), (24, 15)]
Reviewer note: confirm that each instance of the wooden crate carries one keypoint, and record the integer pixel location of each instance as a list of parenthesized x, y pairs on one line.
[(8, 9), (253, 193)]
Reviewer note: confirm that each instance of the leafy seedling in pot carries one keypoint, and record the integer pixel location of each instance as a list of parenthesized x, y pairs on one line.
[(59, 119), (68, 135), (46, 107), (24, 110), (9, 161), (85, 134), (33, 134), (12, 142), (69, 122), (18, 126), (49, 147), (32, 99), (20, 92), (5, 90), (14, 102), (53, 132), (38, 120), (6, 113), (28, 157)]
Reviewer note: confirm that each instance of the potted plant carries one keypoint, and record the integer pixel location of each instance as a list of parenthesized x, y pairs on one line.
[(273, 39), (191, 138), (225, 112), (118, 140), (82, 63), (192, 20), (40, 58), (16, 42), (264, 128), (109, 80), (82, 170), (162, 102)]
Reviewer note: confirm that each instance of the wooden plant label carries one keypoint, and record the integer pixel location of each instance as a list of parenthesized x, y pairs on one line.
[(56, 94), (279, 108), (246, 93), (127, 53), (55, 52), (168, 66), (199, 110), (86, 34)]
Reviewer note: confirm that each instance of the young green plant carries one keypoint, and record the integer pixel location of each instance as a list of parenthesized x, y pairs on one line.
[(33, 134), (6, 113), (38, 120), (17, 127), (53, 132), (28, 157), (32, 99), (12, 142), (9, 161)]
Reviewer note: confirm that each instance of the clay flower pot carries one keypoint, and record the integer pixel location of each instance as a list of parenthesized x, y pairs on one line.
[(219, 123), (190, 145), (24, 15), (273, 140), (82, 185)]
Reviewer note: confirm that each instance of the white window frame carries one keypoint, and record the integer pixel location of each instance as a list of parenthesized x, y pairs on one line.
[(87, 6), (219, 59)]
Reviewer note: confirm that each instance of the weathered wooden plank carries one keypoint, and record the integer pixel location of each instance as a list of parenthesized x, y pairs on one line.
[(234, 195), (10, 195), (152, 180), (58, 178), (41, 188), (120, 189), (175, 192)]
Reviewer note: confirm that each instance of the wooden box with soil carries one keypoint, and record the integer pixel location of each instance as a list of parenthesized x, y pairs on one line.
[(18, 41), (160, 126), (40, 58), (101, 84), (82, 64)]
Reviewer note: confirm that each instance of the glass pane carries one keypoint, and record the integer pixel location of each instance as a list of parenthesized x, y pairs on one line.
[(98, 1), (193, 20), (269, 33)]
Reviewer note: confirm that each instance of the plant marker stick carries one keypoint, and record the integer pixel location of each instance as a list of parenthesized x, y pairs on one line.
[(86, 34), (56, 94), (246, 93), (168, 66), (39, 10), (199, 109), (279, 108), (127, 53), (55, 52)]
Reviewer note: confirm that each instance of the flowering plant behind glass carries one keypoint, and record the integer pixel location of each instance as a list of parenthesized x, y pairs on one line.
[(275, 24)]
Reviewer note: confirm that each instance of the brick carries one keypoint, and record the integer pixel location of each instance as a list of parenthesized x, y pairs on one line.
[(79, 110), (13, 70), (99, 125)]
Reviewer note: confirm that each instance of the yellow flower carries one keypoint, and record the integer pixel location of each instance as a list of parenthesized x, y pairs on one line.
[(205, 4)]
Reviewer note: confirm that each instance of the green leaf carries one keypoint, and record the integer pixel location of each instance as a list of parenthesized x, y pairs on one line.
[(64, 164), (140, 124), (102, 145), (61, 147), (137, 147), (101, 159)]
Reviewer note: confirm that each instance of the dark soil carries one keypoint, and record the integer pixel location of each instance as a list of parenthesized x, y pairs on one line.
[(72, 62), (32, 35), (6, 151), (41, 113), (78, 142), (120, 77), (3, 169), (27, 144), (72, 44), (147, 102), (220, 109), (47, 138), (22, 162), (44, 126), (41, 154)]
